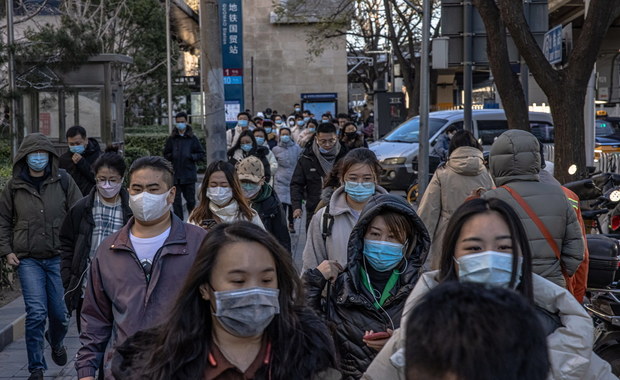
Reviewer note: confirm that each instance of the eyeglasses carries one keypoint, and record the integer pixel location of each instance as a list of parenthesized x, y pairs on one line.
[(326, 142), (111, 180)]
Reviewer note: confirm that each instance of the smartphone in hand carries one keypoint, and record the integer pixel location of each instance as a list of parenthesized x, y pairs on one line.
[(208, 223), (377, 335)]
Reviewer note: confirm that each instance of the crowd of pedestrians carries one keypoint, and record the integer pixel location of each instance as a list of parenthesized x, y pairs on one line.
[(473, 284)]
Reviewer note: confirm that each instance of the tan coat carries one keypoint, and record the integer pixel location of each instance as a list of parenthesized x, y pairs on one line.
[(570, 346), (452, 183)]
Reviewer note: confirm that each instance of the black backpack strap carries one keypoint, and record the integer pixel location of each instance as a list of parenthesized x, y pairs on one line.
[(64, 180), (328, 224)]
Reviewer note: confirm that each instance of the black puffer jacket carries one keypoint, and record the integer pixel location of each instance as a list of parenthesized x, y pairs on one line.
[(269, 209), (349, 306), (184, 151), (75, 243), (307, 180), (82, 172), (316, 346)]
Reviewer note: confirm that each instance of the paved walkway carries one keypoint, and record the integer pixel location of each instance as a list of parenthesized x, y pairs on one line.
[(14, 359)]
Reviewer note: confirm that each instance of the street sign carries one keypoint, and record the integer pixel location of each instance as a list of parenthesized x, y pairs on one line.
[(552, 45), (231, 24)]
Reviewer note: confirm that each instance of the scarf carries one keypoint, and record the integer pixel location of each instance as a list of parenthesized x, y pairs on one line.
[(326, 160)]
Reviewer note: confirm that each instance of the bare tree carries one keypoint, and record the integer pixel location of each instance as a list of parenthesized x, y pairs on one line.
[(371, 25), (507, 81), (566, 87)]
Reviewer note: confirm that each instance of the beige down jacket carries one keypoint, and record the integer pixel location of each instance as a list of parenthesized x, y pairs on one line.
[(570, 346), (452, 183), (515, 162)]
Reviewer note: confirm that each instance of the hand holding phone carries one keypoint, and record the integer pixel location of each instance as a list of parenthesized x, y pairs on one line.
[(377, 335), (208, 223)]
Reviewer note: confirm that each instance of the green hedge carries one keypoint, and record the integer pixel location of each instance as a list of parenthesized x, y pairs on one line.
[(150, 140)]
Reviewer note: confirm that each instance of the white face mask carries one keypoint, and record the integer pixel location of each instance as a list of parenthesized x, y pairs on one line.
[(219, 195), (147, 207)]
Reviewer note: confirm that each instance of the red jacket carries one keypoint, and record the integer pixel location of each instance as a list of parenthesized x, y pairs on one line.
[(119, 301)]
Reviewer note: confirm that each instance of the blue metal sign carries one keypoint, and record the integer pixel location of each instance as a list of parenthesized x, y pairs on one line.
[(552, 45), (231, 24)]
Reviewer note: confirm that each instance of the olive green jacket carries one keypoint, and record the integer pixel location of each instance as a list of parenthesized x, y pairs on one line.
[(30, 220)]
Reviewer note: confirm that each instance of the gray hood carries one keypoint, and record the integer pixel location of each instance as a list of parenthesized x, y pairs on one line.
[(515, 156)]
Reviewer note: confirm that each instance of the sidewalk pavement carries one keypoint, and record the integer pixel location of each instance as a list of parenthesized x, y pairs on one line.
[(14, 359)]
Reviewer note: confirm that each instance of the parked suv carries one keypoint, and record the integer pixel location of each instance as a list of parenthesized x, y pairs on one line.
[(398, 150)]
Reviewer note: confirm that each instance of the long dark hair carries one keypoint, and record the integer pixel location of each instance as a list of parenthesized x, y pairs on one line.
[(463, 138), (202, 211), (520, 243), (182, 344), (362, 156), (231, 151)]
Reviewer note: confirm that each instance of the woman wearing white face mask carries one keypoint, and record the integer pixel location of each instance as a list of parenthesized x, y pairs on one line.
[(102, 212), (486, 243), (221, 199), (386, 249)]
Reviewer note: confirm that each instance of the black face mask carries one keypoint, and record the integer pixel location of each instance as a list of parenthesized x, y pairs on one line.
[(351, 135)]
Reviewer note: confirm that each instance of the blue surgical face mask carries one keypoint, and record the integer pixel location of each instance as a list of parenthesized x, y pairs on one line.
[(488, 267), (242, 123), (269, 130), (300, 123), (279, 122), (79, 149), (250, 189), (297, 109), (383, 255), (246, 147), (260, 141), (311, 130), (359, 192), (306, 119), (324, 121), (37, 161), (285, 138), (181, 126)]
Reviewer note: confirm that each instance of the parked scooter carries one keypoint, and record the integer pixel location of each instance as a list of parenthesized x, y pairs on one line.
[(603, 297)]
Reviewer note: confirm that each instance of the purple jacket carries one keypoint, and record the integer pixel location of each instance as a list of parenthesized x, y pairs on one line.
[(119, 301)]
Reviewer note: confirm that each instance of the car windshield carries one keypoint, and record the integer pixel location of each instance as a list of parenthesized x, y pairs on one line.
[(603, 128), (409, 131)]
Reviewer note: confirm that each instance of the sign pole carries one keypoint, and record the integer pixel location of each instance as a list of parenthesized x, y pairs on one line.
[(168, 66), (423, 148), (212, 77)]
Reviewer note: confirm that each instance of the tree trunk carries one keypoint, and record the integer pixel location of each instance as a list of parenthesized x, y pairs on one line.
[(565, 88), (567, 113), (507, 82), (412, 83)]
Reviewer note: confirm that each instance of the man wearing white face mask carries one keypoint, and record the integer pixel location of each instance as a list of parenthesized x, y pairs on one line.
[(137, 271), (263, 199)]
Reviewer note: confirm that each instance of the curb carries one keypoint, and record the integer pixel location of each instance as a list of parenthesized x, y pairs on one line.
[(12, 322)]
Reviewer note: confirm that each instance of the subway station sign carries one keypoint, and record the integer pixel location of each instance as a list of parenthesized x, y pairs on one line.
[(231, 25)]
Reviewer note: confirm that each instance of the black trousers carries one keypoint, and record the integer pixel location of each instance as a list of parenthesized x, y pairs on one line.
[(188, 191)]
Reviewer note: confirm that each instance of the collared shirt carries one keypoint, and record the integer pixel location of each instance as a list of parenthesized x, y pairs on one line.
[(219, 368)]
